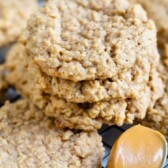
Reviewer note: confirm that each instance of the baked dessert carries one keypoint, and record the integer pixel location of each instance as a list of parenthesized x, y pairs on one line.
[(157, 117), (85, 116), (13, 17), (158, 11), (24, 82), (29, 139), (86, 40), (58, 39)]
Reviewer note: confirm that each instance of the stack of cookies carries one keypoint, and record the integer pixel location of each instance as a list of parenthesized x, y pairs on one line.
[(79, 64), (157, 117), (28, 138), (86, 63)]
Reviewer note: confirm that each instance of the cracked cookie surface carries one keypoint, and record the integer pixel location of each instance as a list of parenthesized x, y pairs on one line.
[(13, 17), (86, 39), (158, 11), (30, 139)]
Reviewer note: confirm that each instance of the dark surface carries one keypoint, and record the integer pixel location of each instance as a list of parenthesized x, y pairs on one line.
[(110, 134)]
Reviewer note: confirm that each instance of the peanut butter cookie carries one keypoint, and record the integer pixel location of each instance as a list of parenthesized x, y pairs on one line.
[(158, 11), (29, 139), (87, 39)]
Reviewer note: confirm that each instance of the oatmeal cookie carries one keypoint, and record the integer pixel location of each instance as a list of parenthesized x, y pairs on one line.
[(87, 39), (158, 11), (85, 116), (157, 117), (29, 139), (13, 17)]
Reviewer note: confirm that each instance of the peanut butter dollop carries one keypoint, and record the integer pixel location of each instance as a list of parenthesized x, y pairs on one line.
[(139, 147)]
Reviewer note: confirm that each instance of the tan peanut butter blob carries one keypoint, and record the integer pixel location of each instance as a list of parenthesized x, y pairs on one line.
[(139, 147)]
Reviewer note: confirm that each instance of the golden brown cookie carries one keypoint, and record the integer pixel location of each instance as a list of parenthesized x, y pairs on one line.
[(158, 11), (85, 39), (13, 17), (29, 139), (157, 116), (85, 116)]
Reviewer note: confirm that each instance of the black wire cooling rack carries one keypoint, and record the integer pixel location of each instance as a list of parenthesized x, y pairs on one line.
[(109, 134)]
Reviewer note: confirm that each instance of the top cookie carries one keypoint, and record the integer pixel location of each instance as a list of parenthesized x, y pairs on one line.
[(158, 11), (85, 39), (13, 17)]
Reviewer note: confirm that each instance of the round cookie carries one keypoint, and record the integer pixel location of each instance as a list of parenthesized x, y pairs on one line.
[(86, 39), (13, 17), (158, 11), (85, 116), (157, 116), (29, 139)]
